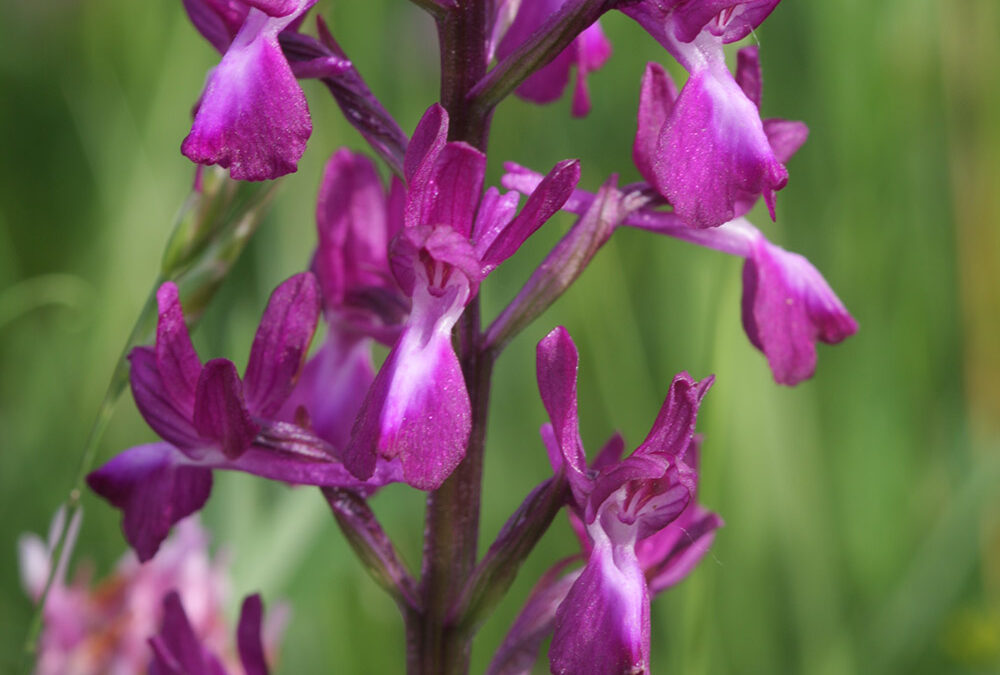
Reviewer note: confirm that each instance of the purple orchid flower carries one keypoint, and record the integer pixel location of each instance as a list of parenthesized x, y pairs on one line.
[(177, 650), (252, 117), (210, 419), (707, 150), (787, 304), (588, 52), (453, 236), (355, 220), (666, 558), (603, 623)]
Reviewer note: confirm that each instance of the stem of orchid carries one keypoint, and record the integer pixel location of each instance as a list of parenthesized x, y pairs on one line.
[(547, 42), (451, 538), (141, 332)]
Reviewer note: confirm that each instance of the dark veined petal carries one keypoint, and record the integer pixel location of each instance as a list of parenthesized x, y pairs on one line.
[(161, 412), (730, 20), (220, 413), (449, 190), (176, 359), (281, 344)]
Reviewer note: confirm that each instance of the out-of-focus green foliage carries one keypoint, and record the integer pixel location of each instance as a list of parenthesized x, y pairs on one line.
[(863, 529)]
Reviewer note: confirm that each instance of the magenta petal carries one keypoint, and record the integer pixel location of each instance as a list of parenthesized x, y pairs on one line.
[(220, 413), (157, 407), (713, 151), (176, 358), (449, 193), (351, 220), (656, 101), (671, 433), (603, 624), (593, 49), (731, 20), (544, 202), (557, 363), (787, 306), (333, 386), (278, 7), (296, 470), (248, 637), (610, 454), (587, 52), (785, 137), (418, 408), (253, 117), (671, 554), (154, 489), (548, 82), (519, 650), (435, 258), (281, 343), (217, 20), (176, 648), (647, 475), (748, 74), (496, 210), (427, 416), (428, 139)]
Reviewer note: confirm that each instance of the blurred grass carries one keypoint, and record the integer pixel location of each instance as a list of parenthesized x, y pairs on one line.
[(863, 531)]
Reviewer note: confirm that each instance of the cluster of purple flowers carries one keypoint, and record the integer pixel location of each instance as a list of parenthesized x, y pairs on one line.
[(402, 264)]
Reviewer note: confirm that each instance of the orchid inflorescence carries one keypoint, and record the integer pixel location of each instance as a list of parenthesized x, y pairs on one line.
[(401, 264)]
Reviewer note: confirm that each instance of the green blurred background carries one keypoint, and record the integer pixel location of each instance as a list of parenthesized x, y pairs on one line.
[(862, 507)]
